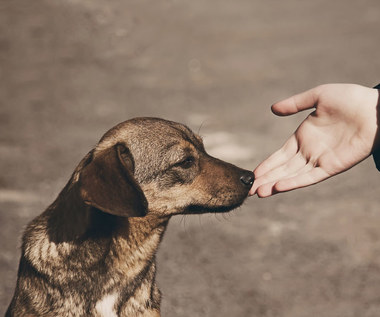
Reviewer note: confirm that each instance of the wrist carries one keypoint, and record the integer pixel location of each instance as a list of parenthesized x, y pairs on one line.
[(376, 144)]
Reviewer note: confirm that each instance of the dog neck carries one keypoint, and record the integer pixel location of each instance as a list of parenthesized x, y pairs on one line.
[(85, 237), (94, 256)]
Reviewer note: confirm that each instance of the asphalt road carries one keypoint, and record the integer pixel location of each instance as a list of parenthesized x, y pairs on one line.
[(70, 70)]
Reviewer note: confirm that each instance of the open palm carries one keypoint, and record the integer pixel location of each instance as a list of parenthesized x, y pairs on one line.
[(337, 135)]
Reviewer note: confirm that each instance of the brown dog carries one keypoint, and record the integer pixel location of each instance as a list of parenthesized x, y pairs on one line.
[(92, 252)]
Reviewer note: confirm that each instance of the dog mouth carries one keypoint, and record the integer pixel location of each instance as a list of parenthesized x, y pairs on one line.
[(221, 203), (201, 209)]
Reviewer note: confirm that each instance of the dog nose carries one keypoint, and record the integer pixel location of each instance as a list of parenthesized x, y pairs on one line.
[(247, 178)]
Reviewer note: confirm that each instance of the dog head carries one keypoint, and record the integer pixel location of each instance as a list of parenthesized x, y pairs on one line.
[(150, 165)]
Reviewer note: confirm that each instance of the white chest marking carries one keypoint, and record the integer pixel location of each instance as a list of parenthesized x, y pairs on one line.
[(105, 307)]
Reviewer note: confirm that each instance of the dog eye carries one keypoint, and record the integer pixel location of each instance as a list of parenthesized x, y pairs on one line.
[(187, 162)]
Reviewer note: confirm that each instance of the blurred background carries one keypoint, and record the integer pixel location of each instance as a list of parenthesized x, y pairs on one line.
[(71, 69)]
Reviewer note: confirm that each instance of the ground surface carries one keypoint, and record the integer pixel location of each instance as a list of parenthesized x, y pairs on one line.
[(71, 69)]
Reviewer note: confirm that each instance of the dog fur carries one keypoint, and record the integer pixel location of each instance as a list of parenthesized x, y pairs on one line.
[(92, 252)]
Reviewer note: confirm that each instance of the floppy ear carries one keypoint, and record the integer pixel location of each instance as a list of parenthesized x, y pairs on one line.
[(107, 183)]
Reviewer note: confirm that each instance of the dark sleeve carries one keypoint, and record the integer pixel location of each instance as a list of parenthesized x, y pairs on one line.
[(376, 152)]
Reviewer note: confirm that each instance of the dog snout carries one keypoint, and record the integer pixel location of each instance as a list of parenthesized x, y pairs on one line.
[(247, 178)]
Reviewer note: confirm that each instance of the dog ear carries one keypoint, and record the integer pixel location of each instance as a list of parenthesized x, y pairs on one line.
[(107, 183)]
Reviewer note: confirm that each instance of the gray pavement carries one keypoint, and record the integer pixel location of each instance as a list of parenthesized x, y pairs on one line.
[(70, 70)]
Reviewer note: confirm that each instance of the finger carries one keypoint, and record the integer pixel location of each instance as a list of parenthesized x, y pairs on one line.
[(268, 189), (296, 103), (296, 163), (269, 179), (265, 190), (314, 176), (306, 169), (258, 183), (280, 157)]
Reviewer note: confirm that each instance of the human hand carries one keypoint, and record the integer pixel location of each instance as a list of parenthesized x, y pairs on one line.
[(337, 135)]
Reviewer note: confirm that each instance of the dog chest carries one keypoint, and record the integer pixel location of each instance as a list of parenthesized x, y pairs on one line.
[(105, 307)]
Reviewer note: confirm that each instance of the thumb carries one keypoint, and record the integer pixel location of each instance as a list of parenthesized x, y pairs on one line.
[(303, 101)]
